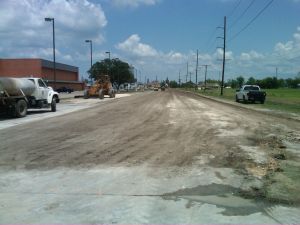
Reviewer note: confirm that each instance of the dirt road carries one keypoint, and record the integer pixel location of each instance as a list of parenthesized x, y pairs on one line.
[(153, 157)]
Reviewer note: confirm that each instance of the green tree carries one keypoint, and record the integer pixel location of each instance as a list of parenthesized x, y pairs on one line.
[(232, 83), (240, 80), (120, 72), (251, 81), (173, 84)]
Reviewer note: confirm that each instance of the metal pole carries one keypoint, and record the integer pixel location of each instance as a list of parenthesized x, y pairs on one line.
[(205, 77), (91, 45), (187, 71), (196, 87), (91, 56), (54, 65), (224, 56), (110, 73)]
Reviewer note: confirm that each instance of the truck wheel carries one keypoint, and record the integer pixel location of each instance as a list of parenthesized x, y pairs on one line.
[(244, 99), (101, 94), (21, 108), (86, 94), (53, 105), (111, 93)]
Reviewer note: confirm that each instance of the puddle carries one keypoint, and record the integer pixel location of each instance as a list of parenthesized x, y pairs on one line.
[(222, 196)]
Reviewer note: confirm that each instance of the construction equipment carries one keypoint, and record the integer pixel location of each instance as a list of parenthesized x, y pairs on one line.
[(101, 87)]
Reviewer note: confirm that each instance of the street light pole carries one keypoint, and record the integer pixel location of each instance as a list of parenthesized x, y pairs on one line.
[(109, 64), (117, 64), (53, 39), (91, 47)]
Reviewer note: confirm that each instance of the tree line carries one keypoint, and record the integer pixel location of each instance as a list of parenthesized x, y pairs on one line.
[(267, 83)]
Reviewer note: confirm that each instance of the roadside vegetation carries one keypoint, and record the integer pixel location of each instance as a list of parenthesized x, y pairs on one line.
[(283, 99), (282, 94)]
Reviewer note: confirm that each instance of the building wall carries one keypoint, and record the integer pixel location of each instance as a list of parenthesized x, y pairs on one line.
[(48, 74), (66, 76), (20, 67)]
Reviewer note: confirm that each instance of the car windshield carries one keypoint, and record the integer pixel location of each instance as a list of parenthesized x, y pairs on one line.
[(150, 112)]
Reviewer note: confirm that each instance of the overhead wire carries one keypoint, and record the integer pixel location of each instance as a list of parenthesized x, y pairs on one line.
[(251, 21), (241, 16), (234, 9)]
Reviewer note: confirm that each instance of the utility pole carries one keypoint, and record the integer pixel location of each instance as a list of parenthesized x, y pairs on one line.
[(205, 76), (276, 72), (140, 76), (187, 71), (224, 56), (179, 80), (196, 87), (190, 77)]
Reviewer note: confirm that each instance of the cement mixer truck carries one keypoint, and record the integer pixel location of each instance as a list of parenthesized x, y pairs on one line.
[(19, 94)]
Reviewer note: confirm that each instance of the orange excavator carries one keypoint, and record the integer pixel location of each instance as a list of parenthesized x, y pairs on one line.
[(101, 87)]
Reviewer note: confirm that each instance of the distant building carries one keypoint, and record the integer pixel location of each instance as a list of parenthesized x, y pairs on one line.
[(66, 75), (201, 85)]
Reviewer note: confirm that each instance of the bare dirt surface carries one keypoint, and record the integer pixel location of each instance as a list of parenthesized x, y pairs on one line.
[(144, 158)]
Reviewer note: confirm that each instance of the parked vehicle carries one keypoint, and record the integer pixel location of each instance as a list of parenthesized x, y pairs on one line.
[(17, 95), (250, 93), (64, 89)]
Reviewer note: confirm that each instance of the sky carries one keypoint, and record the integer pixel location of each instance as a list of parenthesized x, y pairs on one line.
[(158, 37)]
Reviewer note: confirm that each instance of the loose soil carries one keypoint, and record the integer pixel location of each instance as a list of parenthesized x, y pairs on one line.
[(164, 129)]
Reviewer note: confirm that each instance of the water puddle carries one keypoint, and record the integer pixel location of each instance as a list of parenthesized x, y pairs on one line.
[(222, 196)]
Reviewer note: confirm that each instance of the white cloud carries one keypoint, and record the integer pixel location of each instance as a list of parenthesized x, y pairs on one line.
[(134, 3), (252, 55), (24, 32), (134, 47)]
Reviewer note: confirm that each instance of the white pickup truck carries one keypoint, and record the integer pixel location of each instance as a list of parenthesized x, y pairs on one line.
[(250, 93), (19, 94)]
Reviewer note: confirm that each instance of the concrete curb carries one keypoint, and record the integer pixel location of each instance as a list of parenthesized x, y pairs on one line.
[(274, 113)]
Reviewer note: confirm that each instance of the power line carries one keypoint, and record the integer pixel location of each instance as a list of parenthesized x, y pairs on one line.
[(236, 6), (251, 21), (243, 14)]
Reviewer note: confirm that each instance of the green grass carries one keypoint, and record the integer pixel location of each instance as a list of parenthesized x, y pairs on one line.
[(283, 99), (284, 186)]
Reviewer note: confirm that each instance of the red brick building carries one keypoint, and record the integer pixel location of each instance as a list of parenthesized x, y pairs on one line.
[(66, 75)]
